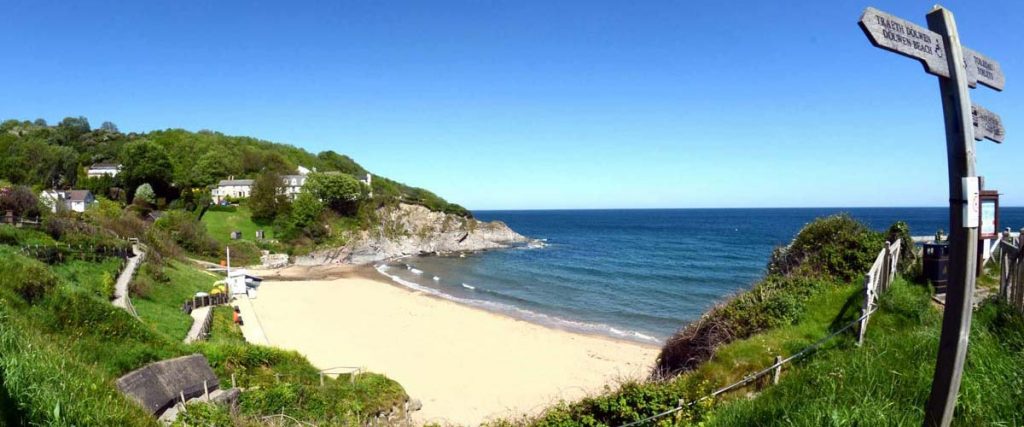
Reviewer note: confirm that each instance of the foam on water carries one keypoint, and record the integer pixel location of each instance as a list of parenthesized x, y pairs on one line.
[(468, 287), (524, 314)]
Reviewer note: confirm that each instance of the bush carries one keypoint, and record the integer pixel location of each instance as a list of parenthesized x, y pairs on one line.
[(144, 194), (20, 200), (188, 233), (28, 278), (837, 247)]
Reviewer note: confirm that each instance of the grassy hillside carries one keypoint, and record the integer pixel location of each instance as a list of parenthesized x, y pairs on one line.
[(220, 222), (62, 345)]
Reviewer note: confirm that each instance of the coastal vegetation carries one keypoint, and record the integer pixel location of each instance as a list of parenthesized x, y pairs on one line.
[(176, 169), (812, 288), (62, 343)]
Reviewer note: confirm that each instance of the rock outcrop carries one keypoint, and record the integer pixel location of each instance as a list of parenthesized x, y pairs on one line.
[(415, 230)]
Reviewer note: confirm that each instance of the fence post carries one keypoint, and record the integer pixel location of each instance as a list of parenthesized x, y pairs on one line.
[(321, 379), (778, 370), (866, 308), (887, 265)]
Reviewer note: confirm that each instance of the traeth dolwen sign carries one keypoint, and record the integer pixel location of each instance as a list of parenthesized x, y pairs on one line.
[(957, 68)]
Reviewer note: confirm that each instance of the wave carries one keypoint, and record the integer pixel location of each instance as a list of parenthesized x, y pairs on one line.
[(436, 279), (416, 271), (470, 287), (525, 314)]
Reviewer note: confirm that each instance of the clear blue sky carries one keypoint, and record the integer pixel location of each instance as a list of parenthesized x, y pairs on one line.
[(537, 104)]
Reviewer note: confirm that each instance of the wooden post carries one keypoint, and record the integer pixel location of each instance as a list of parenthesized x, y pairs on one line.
[(206, 391), (963, 241), (778, 370), (321, 379), (233, 380), (865, 309)]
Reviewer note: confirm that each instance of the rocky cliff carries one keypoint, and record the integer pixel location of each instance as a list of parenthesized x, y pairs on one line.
[(415, 230)]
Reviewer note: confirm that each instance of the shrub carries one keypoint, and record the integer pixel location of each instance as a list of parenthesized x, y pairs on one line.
[(188, 233), (28, 278), (837, 246), (145, 194), (20, 200)]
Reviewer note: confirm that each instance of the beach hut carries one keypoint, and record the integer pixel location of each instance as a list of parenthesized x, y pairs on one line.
[(241, 282)]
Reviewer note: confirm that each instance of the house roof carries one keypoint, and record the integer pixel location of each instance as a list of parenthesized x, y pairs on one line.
[(79, 195), (230, 182), (105, 165)]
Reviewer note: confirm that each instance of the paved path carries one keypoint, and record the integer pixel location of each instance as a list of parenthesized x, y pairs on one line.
[(199, 318), (121, 286)]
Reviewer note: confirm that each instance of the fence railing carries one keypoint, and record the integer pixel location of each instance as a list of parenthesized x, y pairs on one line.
[(877, 280), (352, 371), (204, 301), (20, 221), (60, 252), (1011, 270)]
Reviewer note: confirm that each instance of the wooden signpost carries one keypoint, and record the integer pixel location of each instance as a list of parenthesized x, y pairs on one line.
[(938, 48)]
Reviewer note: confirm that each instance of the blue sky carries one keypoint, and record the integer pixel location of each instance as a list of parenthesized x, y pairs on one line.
[(537, 104)]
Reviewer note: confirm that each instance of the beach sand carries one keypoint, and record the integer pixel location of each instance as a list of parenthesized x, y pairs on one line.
[(465, 365)]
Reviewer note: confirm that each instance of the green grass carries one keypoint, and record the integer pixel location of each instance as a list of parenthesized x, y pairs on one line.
[(220, 225), (887, 381), (223, 329), (161, 305), (95, 277)]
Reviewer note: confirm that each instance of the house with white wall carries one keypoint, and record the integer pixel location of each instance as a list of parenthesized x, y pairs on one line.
[(103, 169), (67, 200), (234, 188)]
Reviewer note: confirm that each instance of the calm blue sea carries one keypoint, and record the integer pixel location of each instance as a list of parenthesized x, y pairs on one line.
[(634, 274)]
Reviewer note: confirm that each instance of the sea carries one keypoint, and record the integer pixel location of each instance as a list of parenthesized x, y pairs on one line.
[(637, 275)]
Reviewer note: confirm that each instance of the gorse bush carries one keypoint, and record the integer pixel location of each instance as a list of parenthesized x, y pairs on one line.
[(837, 246)]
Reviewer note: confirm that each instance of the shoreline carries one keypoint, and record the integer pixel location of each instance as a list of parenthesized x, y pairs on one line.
[(370, 272), (466, 364), (297, 273)]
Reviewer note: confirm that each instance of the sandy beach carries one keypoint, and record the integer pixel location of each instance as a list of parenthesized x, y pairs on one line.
[(465, 365)]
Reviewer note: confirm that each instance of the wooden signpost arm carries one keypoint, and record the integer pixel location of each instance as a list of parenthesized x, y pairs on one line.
[(956, 320)]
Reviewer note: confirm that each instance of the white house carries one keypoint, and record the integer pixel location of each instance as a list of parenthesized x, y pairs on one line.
[(235, 188), (103, 169), (73, 200), (292, 184)]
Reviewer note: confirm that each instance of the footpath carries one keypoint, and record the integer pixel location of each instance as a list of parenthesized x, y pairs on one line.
[(121, 286)]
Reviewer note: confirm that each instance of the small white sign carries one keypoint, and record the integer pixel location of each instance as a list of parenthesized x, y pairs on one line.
[(972, 202)]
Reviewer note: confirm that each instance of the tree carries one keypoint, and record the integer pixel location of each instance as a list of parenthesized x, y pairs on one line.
[(212, 166), (266, 200), (340, 162), (109, 127), (145, 162), (78, 125), (337, 190), (304, 216), (20, 200), (145, 194), (40, 122)]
